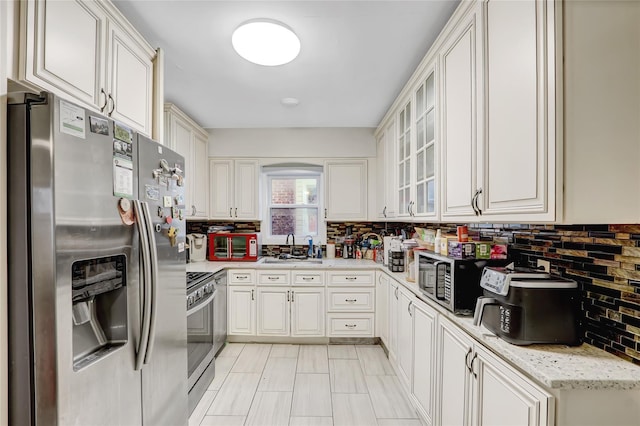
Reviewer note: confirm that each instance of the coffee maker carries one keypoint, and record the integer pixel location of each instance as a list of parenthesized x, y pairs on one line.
[(526, 306)]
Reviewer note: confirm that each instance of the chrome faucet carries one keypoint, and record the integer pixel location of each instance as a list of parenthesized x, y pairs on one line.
[(293, 242)]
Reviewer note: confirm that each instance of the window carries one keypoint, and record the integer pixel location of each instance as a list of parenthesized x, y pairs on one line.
[(292, 205)]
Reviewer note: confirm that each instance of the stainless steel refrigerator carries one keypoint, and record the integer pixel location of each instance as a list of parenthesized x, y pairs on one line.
[(97, 313)]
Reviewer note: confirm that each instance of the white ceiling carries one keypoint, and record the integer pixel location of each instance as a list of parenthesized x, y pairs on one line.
[(354, 60)]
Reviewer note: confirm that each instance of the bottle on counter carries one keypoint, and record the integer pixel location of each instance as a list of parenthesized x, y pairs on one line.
[(437, 241)]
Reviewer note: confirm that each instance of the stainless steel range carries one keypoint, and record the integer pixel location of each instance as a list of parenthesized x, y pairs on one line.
[(206, 329)]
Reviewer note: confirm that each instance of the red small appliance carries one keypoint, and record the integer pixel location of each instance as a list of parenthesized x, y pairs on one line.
[(234, 247)]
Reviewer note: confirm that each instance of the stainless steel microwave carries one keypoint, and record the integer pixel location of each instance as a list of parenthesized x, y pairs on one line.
[(452, 283)]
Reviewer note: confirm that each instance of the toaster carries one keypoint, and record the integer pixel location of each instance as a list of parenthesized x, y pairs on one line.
[(525, 306)]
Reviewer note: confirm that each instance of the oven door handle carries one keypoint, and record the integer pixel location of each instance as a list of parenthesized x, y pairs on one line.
[(203, 303)]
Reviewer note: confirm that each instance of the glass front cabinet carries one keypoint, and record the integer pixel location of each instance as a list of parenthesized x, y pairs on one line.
[(417, 151)]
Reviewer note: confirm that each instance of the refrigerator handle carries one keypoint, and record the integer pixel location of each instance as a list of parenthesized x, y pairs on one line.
[(145, 287), (154, 281)]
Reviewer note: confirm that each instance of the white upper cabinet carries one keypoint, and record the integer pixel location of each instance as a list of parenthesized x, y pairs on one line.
[(188, 139), (345, 189), (518, 145), (461, 77), (130, 80), (87, 51), (233, 189), (386, 206), (404, 164)]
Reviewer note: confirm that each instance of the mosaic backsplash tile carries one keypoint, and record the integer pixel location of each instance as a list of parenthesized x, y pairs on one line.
[(603, 259)]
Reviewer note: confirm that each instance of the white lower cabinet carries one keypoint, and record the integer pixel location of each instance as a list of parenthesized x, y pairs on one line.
[(382, 308), (350, 324), (290, 311), (273, 311), (404, 354), (424, 356), (242, 310), (393, 319), (307, 311), (475, 387)]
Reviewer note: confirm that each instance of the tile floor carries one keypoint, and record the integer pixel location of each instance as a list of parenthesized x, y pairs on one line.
[(295, 385)]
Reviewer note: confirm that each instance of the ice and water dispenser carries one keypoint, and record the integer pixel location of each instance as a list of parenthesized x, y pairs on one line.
[(99, 297)]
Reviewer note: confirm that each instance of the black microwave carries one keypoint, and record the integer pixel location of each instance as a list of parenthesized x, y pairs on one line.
[(452, 283)]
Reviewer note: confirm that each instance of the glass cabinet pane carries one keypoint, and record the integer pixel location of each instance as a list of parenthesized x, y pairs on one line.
[(420, 203), (429, 163), (420, 135), (420, 166), (431, 196), (401, 148), (407, 172), (430, 126), (430, 92), (420, 100), (407, 124)]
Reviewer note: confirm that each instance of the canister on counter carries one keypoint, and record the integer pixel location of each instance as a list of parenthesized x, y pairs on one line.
[(463, 234)]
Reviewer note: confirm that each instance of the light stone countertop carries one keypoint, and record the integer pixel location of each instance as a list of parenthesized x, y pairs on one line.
[(553, 366)]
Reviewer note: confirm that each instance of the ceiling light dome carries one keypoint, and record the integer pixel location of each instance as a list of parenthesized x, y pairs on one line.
[(266, 42)]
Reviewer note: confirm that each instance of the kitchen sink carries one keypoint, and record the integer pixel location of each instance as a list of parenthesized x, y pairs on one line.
[(292, 260)]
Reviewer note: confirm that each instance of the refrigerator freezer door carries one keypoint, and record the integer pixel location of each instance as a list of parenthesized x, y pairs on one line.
[(69, 215), (164, 375)]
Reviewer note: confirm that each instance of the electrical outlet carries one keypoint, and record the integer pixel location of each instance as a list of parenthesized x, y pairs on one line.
[(544, 264)]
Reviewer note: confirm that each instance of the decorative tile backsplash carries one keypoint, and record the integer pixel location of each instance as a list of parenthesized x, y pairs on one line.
[(603, 259)]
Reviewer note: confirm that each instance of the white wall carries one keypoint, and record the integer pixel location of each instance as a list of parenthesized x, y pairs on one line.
[(292, 142)]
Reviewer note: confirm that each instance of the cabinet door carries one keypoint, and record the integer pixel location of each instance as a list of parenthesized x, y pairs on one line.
[(381, 200), (504, 396), (454, 381), (424, 351), (65, 48), (346, 190), (246, 190), (273, 311), (393, 319), (180, 142), (519, 167), (404, 150), (242, 311), (307, 311), (382, 308), (461, 77), (221, 189), (200, 184), (425, 150), (390, 175), (405, 337), (130, 80)]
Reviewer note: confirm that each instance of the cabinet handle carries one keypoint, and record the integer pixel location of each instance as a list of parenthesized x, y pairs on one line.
[(307, 278), (113, 105), (384, 211), (478, 196), (292, 293), (396, 293), (473, 203), (273, 278), (193, 210), (325, 213), (105, 100), (242, 277), (411, 208), (288, 298), (350, 278), (350, 300), (471, 366), (236, 212), (466, 360), (252, 296), (230, 211), (409, 308), (350, 325)]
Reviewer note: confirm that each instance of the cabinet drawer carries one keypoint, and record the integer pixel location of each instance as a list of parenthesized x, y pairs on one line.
[(242, 276), (351, 299), (355, 278), (350, 325), (273, 277), (301, 278)]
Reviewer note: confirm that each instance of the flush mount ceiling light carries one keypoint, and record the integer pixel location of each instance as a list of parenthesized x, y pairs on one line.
[(265, 42), (289, 102)]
